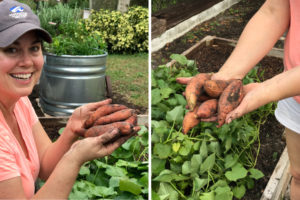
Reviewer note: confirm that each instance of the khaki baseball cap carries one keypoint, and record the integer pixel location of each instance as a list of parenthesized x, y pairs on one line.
[(15, 20)]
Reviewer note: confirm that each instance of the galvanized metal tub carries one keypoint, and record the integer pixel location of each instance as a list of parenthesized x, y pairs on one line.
[(68, 82)]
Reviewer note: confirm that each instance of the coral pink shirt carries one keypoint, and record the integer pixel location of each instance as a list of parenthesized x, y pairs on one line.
[(292, 41), (13, 161)]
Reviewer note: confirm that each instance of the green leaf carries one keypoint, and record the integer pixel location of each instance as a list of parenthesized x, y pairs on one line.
[(168, 176), (175, 147), (186, 147), (196, 161), (175, 115), (163, 151), (203, 149), (223, 193), (115, 171), (165, 92), (129, 186), (208, 196), (166, 191), (208, 163), (186, 167), (239, 191), (237, 172), (255, 173), (179, 58), (180, 99), (199, 183), (155, 96), (84, 170), (157, 165), (230, 160)]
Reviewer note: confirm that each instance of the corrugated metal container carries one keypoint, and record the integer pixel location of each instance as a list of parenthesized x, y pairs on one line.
[(71, 81)]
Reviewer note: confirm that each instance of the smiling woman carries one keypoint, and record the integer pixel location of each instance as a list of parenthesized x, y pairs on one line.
[(26, 152)]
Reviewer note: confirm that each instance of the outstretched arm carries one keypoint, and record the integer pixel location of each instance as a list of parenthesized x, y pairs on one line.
[(257, 39)]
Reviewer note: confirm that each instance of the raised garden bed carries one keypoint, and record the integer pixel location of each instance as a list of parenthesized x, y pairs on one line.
[(210, 54)]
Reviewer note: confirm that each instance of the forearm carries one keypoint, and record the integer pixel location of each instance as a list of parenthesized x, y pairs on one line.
[(61, 181), (279, 87), (55, 152), (257, 39)]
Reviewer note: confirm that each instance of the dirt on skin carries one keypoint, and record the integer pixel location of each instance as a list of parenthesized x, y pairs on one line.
[(230, 25)]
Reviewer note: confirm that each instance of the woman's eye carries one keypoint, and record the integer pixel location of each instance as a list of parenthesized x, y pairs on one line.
[(11, 50), (35, 48)]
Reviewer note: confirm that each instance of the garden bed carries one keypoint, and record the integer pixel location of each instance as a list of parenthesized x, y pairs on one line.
[(210, 54)]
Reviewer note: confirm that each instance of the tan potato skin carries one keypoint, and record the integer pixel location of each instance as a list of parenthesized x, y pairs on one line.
[(229, 100), (189, 121), (124, 127), (194, 89), (102, 111), (207, 109), (114, 117), (214, 88)]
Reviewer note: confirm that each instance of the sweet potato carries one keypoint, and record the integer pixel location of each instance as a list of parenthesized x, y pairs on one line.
[(183, 80), (229, 100), (132, 119), (213, 118), (207, 109), (195, 88), (124, 127), (189, 121), (102, 111), (214, 88), (114, 117)]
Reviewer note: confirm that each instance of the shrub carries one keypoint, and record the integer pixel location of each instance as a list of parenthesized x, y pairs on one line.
[(122, 32), (30, 3)]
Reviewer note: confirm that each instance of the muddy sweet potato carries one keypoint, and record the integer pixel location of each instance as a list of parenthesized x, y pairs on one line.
[(124, 127), (189, 121), (114, 117), (102, 111), (214, 88), (229, 100), (207, 109), (195, 88), (132, 119)]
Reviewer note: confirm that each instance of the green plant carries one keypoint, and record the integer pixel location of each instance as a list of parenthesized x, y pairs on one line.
[(51, 17), (122, 32), (75, 40), (30, 3), (123, 175), (210, 162)]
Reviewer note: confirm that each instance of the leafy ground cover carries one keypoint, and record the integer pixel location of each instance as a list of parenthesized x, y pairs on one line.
[(123, 175), (210, 162), (129, 78)]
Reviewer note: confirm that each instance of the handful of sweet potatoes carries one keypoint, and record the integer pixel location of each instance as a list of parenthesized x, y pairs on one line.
[(214, 99), (110, 116)]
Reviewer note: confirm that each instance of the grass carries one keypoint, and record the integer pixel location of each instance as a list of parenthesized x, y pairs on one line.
[(129, 76)]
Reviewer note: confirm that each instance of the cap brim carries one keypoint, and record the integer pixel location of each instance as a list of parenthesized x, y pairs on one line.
[(11, 34)]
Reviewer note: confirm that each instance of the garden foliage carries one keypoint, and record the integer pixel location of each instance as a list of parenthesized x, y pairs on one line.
[(122, 32), (208, 163)]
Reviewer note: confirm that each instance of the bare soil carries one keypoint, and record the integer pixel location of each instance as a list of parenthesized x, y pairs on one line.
[(230, 24)]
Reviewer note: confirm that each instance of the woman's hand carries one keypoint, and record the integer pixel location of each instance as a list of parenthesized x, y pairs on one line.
[(79, 116), (91, 148), (250, 102)]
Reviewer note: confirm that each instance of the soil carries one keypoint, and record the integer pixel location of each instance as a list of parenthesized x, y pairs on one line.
[(229, 25)]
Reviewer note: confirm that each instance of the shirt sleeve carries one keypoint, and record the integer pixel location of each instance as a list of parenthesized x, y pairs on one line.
[(8, 164)]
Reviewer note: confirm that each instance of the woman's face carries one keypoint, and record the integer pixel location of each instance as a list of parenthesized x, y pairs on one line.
[(20, 66)]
